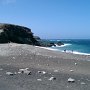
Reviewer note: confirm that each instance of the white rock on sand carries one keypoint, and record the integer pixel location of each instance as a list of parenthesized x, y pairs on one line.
[(71, 80), (55, 70), (25, 71), (13, 57), (71, 70), (39, 79), (9, 73), (52, 78), (75, 63), (42, 72)]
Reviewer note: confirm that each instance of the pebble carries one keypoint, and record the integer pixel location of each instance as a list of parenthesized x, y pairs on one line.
[(42, 72), (25, 71), (19, 72), (71, 80), (52, 78), (15, 73), (83, 83), (55, 70), (13, 57), (9, 73), (71, 70), (75, 63), (39, 79)]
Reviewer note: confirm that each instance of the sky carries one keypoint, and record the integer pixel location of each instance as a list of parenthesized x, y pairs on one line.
[(49, 19)]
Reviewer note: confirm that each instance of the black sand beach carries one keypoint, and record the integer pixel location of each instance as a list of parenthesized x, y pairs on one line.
[(49, 70)]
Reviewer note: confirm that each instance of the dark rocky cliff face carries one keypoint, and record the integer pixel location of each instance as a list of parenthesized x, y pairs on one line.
[(16, 34)]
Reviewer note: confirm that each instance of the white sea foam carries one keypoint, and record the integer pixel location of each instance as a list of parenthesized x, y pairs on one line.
[(49, 48), (67, 51), (80, 53), (58, 40), (76, 52)]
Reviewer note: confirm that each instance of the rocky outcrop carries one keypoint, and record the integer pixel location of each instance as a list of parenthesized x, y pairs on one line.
[(59, 43), (37, 38), (16, 34), (48, 43)]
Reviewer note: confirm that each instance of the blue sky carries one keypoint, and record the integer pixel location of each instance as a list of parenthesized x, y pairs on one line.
[(62, 19)]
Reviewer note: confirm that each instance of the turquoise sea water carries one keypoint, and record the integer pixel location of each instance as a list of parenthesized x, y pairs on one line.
[(78, 46)]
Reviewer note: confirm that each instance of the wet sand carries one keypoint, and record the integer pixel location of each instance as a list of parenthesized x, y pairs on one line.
[(43, 65)]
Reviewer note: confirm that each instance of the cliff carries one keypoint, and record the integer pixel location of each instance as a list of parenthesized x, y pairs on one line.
[(16, 34)]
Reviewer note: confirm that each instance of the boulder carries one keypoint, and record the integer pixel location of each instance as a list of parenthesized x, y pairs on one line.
[(59, 43), (16, 34)]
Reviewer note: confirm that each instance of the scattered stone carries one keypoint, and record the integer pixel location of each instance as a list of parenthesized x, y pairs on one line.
[(42, 72), (22, 70), (52, 78), (26, 68), (13, 57), (25, 71), (82, 83), (39, 79), (19, 72), (15, 73), (55, 70), (71, 70), (75, 63), (10, 73), (39, 71), (71, 80)]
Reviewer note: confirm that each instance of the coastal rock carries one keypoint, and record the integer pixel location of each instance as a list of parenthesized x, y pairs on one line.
[(37, 38), (16, 34), (59, 43)]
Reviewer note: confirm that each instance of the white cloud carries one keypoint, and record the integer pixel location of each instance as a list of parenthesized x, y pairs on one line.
[(8, 1)]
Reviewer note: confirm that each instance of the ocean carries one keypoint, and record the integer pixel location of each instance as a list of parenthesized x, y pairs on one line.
[(76, 46)]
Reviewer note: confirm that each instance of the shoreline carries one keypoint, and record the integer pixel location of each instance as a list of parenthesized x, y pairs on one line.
[(67, 51)]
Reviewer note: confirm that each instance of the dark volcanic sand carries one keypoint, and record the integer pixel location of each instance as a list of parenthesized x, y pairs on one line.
[(56, 64)]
